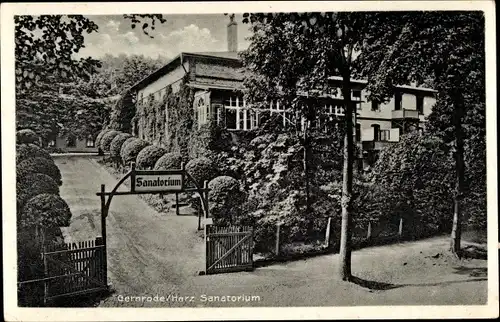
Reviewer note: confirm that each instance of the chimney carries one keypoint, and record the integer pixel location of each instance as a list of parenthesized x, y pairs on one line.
[(232, 34)]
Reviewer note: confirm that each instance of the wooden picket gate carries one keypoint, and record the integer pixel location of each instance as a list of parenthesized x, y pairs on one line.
[(74, 269), (228, 249)]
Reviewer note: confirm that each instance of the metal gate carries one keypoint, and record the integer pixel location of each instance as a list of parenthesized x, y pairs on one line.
[(228, 249), (74, 269)]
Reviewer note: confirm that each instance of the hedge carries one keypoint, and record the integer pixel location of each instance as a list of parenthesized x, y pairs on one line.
[(27, 151), (39, 165), (201, 169), (116, 145), (30, 185), (99, 137), (27, 136), (132, 149), (46, 210), (226, 199), (168, 161), (127, 142), (146, 159), (106, 140)]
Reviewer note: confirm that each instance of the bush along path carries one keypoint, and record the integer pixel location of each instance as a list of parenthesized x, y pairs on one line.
[(40, 214)]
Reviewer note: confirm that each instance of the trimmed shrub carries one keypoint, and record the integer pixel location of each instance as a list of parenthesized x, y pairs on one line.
[(106, 140), (27, 136), (46, 210), (146, 159), (30, 185), (201, 169), (226, 199), (168, 161), (116, 145), (39, 165), (27, 151), (127, 141), (132, 149), (99, 137)]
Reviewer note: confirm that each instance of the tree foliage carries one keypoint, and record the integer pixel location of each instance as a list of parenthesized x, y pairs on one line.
[(106, 139), (201, 169), (45, 46), (45, 210), (28, 151), (147, 158), (226, 200), (116, 145), (131, 149), (169, 161), (29, 185), (451, 52), (39, 165), (27, 136)]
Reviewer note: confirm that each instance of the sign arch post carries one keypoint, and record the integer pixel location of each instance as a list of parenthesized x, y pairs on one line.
[(152, 182)]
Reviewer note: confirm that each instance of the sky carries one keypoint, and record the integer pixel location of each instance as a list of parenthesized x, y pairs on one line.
[(188, 33)]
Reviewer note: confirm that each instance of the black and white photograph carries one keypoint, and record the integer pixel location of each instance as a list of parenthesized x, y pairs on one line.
[(280, 158)]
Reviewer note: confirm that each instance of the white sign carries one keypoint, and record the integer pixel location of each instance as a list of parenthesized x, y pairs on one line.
[(158, 182)]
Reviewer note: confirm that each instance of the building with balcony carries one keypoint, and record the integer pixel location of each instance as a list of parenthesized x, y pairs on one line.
[(217, 79)]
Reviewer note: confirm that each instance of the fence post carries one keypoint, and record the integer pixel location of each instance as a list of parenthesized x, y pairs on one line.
[(400, 230), (277, 246), (328, 230), (369, 232), (177, 203), (104, 214)]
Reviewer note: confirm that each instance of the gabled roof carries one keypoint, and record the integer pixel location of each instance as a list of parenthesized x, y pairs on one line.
[(176, 61)]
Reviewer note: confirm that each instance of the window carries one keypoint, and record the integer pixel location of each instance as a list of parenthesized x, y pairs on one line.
[(356, 94), (90, 142), (71, 141), (384, 135), (236, 115), (230, 118), (376, 132), (375, 106), (397, 101), (358, 132), (420, 104)]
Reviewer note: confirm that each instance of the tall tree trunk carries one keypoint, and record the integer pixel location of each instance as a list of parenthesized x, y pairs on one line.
[(456, 230), (305, 162), (346, 226)]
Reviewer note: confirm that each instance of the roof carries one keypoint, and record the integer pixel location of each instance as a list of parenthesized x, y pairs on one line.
[(218, 54), (406, 87), (177, 61), (233, 56)]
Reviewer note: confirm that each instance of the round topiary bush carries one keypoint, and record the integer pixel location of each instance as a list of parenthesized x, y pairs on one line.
[(132, 149), (27, 151), (168, 161), (39, 165), (127, 142), (46, 210), (201, 169), (226, 199), (146, 159), (106, 140), (116, 145), (27, 136), (99, 137), (30, 185)]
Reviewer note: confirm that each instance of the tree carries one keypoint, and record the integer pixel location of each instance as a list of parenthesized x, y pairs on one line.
[(447, 47), (318, 45), (45, 45)]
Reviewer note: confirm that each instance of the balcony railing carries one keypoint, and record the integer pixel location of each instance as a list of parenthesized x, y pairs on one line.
[(404, 113)]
